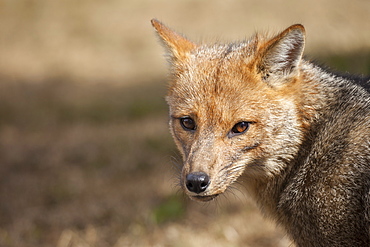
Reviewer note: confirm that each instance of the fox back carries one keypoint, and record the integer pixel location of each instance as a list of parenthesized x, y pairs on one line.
[(299, 135)]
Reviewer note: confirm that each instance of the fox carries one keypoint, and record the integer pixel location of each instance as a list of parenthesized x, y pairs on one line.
[(296, 133)]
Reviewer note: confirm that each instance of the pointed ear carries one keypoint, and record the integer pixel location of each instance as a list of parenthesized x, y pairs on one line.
[(281, 55), (178, 46)]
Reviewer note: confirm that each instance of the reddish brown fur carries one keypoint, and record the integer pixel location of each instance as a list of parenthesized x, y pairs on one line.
[(300, 119), (206, 82)]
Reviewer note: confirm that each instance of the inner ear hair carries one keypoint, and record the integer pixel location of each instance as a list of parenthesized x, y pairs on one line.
[(282, 54)]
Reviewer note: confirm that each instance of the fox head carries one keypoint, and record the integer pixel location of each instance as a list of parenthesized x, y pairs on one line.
[(234, 108)]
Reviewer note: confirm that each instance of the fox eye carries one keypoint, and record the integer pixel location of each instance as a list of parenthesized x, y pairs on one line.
[(188, 123), (239, 128)]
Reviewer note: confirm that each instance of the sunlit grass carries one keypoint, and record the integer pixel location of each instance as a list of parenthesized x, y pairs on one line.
[(96, 159)]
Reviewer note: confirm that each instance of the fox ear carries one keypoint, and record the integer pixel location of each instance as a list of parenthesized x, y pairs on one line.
[(179, 46), (282, 55)]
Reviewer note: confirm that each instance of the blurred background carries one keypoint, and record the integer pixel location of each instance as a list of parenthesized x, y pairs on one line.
[(85, 154)]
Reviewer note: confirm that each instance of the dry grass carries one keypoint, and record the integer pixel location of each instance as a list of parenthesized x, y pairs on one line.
[(90, 166), (93, 40), (85, 154)]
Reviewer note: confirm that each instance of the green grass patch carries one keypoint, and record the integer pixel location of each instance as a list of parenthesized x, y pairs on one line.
[(172, 208), (357, 63)]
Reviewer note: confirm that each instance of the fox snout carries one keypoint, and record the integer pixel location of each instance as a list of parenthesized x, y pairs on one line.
[(197, 182), (208, 171)]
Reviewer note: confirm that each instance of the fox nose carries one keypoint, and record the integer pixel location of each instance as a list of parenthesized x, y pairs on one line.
[(197, 182)]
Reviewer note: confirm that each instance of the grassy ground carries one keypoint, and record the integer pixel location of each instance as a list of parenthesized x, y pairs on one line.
[(93, 165), (86, 158)]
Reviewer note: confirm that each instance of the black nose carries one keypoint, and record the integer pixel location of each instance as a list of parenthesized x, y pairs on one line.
[(197, 182)]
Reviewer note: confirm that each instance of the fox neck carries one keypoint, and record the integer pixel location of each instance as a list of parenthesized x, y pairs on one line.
[(315, 97)]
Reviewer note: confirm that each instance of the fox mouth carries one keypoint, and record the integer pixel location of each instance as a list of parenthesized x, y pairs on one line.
[(204, 198)]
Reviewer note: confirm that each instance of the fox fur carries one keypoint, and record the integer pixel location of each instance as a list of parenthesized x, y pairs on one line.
[(298, 134)]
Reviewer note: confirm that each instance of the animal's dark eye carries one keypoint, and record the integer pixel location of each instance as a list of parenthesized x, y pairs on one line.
[(239, 128), (188, 123)]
